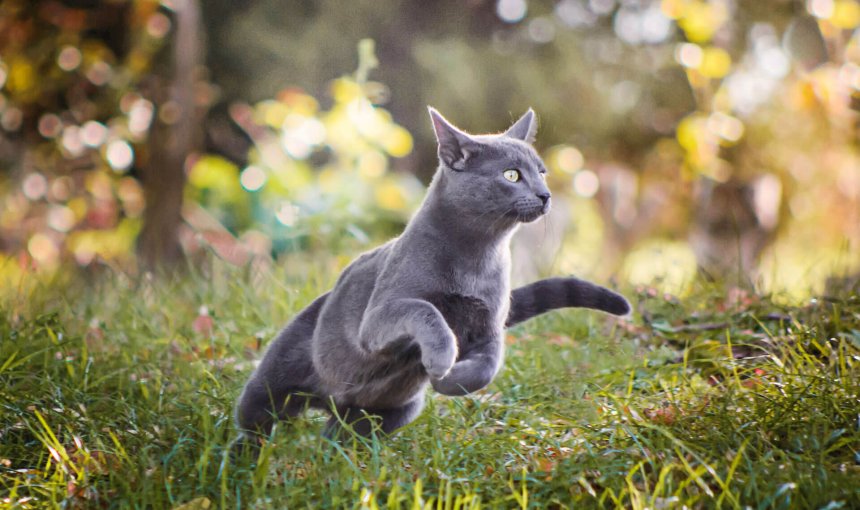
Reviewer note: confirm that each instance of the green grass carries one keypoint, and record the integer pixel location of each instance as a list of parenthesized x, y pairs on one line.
[(110, 398)]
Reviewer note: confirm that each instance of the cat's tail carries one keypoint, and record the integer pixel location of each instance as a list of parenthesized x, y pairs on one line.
[(553, 293)]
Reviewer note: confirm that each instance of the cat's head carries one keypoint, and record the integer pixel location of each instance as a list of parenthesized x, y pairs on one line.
[(498, 178)]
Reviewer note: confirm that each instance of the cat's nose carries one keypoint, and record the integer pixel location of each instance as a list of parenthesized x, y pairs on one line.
[(544, 197)]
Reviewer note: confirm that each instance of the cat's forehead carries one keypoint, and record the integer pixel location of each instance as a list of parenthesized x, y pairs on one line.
[(508, 148)]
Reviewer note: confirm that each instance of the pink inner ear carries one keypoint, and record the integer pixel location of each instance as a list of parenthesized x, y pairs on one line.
[(443, 129), (460, 164)]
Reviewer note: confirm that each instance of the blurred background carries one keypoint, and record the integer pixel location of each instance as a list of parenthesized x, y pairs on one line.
[(685, 139)]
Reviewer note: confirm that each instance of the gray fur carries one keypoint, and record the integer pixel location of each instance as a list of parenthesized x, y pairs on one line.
[(430, 306)]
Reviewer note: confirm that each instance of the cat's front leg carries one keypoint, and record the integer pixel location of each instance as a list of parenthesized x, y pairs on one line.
[(475, 370), (388, 324)]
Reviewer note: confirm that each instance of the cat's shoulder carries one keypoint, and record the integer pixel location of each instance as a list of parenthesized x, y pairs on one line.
[(370, 261), (378, 254)]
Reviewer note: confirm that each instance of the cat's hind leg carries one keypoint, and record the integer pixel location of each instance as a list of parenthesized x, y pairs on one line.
[(363, 421), (258, 411), (262, 403), (285, 382)]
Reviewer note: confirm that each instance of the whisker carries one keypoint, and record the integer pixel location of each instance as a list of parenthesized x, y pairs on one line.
[(474, 221), (501, 217)]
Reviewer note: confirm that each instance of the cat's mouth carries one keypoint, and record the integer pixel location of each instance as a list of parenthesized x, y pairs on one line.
[(530, 210)]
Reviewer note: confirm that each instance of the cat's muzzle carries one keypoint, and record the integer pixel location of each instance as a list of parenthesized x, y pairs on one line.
[(529, 210)]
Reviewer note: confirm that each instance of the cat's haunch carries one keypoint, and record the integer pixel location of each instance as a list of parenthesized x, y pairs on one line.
[(428, 307)]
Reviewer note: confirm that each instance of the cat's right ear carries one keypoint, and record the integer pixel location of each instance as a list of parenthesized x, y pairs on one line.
[(454, 145), (525, 128)]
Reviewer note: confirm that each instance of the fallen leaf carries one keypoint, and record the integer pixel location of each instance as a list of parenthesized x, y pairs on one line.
[(201, 503), (203, 324), (662, 415)]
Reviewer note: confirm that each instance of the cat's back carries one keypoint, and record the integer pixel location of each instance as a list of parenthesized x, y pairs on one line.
[(355, 284)]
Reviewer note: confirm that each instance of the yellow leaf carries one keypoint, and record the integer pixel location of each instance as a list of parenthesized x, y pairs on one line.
[(701, 20), (291, 177), (673, 9), (201, 503), (697, 79), (215, 173), (299, 102), (271, 113), (345, 90), (716, 62), (803, 96), (22, 76), (78, 205), (688, 132), (846, 14), (390, 196), (397, 142)]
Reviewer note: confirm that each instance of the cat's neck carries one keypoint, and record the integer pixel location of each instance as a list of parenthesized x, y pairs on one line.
[(440, 218)]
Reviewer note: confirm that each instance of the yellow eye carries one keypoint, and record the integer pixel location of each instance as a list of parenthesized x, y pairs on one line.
[(512, 175)]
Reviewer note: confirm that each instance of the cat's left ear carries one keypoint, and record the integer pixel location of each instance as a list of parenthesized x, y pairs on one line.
[(455, 146), (524, 129)]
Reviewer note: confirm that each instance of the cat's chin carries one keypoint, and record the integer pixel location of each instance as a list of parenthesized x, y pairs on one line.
[(531, 214), (530, 217)]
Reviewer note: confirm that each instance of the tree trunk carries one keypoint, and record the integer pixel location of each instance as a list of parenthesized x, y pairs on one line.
[(174, 135)]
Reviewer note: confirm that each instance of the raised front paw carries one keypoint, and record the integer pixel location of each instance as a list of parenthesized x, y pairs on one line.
[(439, 357)]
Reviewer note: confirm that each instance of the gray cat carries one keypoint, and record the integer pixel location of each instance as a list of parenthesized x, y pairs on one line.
[(429, 306)]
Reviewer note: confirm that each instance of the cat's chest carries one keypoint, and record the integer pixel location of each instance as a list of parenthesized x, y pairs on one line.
[(470, 317), (484, 277), (485, 283)]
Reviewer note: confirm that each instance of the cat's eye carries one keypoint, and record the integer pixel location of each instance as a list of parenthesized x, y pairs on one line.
[(511, 175)]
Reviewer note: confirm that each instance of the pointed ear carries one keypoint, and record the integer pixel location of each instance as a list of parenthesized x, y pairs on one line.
[(524, 129), (455, 146)]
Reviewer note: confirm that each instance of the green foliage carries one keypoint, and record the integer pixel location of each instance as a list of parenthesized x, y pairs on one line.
[(315, 175), (120, 393)]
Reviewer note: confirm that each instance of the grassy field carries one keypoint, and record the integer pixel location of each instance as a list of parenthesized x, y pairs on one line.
[(118, 393)]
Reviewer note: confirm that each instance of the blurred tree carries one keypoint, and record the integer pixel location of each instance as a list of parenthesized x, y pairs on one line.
[(91, 109), (176, 135), (75, 123)]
